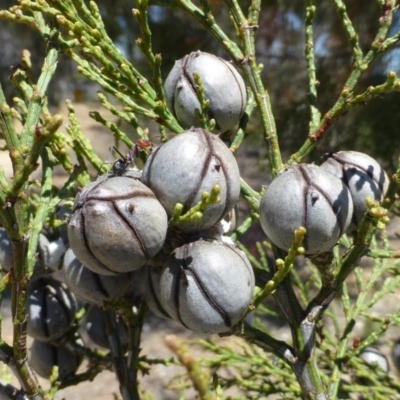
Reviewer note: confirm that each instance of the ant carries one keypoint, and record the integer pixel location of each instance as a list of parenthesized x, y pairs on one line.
[(142, 145)]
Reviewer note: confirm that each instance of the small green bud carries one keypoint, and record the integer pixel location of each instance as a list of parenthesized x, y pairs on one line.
[(301, 250), (196, 217), (280, 263), (96, 34), (391, 76), (78, 28), (94, 8), (124, 68), (205, 196), (216, 190), (177, 211), (380, 226), (61, 20)]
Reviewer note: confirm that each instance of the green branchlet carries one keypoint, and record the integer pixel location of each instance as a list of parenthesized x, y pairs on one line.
[(351, 33), (53, 382), (283, 267), (113, 127), (240, 135), (312, 75), (250, 378), (145, 44), (252, 197), (245, 225), (80, 143), (353, 311), (9, 133), (195, 214), (126, 116), (246, 28), (88, 33), (203, 114), (347, 98)]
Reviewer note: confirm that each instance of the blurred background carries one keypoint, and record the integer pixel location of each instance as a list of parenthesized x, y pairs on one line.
[(373, 128)]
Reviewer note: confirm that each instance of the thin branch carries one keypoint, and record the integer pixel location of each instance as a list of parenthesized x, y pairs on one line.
[(310, 58), (350, 31), (341, 106)]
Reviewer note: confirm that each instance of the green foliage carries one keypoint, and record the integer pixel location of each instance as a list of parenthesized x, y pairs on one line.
[(320, 359)]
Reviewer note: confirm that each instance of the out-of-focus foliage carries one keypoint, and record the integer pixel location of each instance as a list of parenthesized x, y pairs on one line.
[(280, 47)]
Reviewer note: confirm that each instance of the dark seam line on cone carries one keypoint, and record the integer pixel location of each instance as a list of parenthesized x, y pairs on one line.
[(132, 229), (322, 192), (227, 186), (224, 315), (346, 182), (242, 107), (335, 210), (154, 295), (241, 255), (210, 152), (174, 88), (366, 171), (135, 194), (304, 203), (83, 228), (63, 305), (44, 316), (186, 75), (176, 288), (82, 201), (147, 177), (99, 285)]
